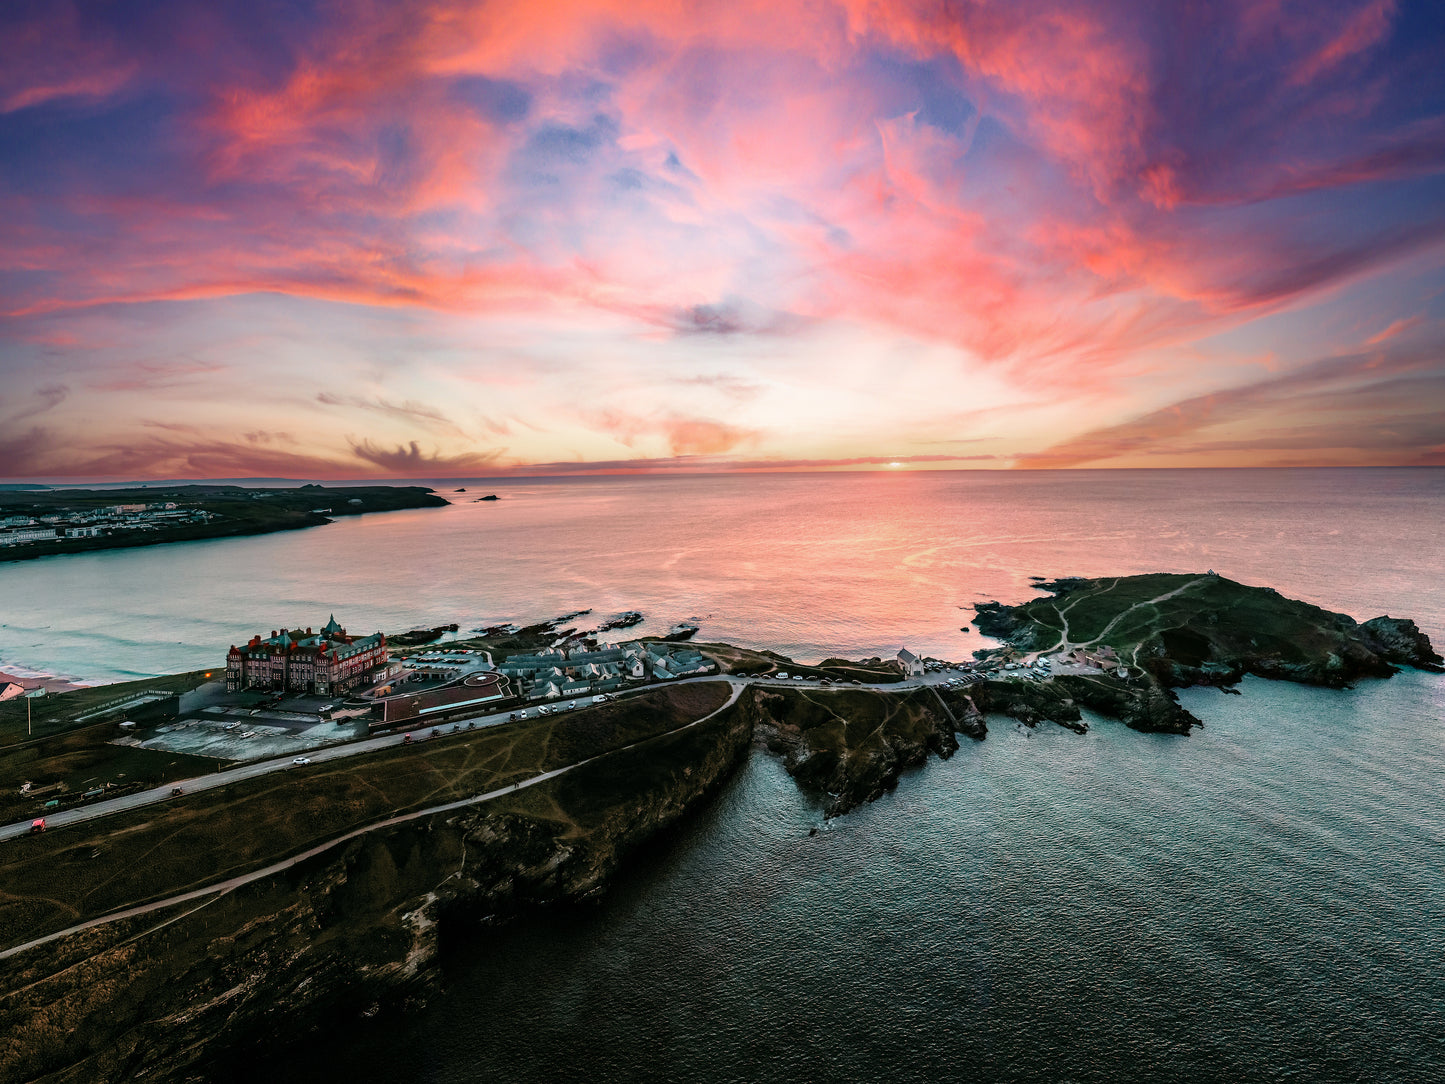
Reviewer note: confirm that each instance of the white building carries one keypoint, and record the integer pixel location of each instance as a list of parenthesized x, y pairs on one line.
[(911, 663), (26, 534)]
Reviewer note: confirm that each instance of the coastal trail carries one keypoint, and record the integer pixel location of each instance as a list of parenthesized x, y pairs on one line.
[(1065, 644), (212, 892)]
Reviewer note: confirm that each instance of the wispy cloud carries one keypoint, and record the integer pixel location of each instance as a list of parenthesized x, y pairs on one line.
[(409, 461), (1065, 202), (1374, 407)]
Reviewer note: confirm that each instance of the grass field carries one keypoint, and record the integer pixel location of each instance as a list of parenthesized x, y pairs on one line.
[(70, 874), (58, 712), (79, 753), (742, 660), (1192, 618)]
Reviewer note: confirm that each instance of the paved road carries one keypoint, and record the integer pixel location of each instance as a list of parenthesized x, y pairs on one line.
[(214, 891), (323, 754)]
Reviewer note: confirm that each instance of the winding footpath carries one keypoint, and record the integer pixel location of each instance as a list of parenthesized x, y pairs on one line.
[(213, 892), (325, 753), (1064, 644)]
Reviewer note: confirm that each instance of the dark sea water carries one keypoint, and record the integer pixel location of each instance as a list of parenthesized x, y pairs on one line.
[(1262, 900)]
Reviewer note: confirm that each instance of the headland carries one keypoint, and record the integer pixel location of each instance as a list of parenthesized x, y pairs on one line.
[(196, 905), (46, 522)]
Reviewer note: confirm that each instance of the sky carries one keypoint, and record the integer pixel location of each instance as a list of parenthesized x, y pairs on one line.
[(465, 239)]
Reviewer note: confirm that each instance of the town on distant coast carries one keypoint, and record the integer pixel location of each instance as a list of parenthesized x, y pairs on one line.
[(43, 521)]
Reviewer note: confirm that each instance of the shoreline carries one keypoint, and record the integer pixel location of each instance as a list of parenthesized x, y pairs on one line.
[(49, 682)]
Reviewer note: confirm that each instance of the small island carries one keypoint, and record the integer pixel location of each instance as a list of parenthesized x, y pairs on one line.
[(214, 904), (43, 522)]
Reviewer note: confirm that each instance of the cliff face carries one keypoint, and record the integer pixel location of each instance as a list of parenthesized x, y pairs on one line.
[(851, 746), (176, 996)]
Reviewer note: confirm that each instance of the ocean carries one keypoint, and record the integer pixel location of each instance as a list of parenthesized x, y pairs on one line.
[(811, 565), (1262, 900)]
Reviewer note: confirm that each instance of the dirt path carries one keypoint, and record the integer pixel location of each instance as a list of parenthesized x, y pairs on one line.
[(220, 888), (1065, 644)]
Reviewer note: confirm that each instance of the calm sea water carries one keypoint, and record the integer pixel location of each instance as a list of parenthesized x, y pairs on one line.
[(811, 565), (1263, 900)]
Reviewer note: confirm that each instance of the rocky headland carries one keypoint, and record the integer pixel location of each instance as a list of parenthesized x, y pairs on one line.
[(850, 746), (1152, 634)]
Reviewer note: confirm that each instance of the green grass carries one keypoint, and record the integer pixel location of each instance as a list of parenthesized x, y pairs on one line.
[(1209, 617), (57, 712), (743, 661), (69, 874)]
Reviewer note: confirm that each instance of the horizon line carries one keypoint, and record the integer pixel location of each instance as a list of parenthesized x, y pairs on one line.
[(17, 484)]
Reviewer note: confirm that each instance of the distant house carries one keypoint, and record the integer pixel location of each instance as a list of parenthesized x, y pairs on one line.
[(26, 534), (543, 690), (911, 663), (10, 690)]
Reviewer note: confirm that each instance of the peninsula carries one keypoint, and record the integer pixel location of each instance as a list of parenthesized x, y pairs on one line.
[(187, 908), (44, 522)]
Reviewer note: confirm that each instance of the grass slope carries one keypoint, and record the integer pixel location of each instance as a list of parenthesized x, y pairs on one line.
[(70, 874)]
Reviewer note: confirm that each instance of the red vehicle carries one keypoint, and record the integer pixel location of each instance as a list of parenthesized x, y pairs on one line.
[(37, 825)]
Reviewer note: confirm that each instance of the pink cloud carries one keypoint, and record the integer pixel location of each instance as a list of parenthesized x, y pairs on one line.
[(744, 171), (1365, 28)]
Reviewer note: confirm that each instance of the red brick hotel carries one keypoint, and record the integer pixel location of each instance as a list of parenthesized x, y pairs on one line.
[(324, 663)]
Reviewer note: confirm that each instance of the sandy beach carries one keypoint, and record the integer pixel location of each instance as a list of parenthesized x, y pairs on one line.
[(49, 684)]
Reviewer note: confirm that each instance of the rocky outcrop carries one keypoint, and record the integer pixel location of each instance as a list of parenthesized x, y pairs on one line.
[(850, 746), (1142, 704), (175, 996), (1029, 702), (1400, 641)]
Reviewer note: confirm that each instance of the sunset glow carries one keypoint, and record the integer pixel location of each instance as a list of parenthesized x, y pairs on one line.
[(455, 239)]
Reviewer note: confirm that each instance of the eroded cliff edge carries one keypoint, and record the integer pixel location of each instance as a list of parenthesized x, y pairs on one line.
[(172, 996)]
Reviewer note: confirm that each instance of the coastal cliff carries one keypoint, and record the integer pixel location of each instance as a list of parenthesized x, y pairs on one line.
[(850, 746), (176, 995)]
